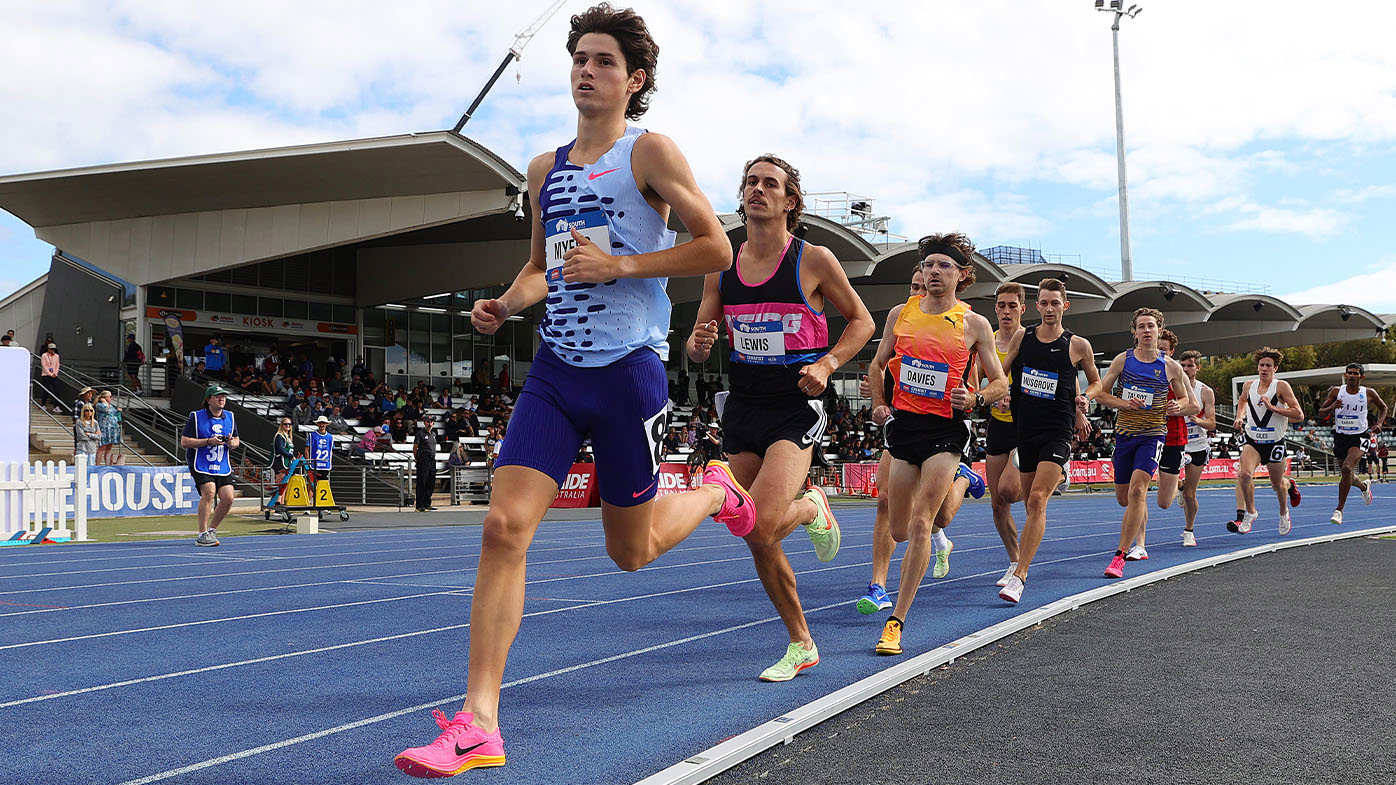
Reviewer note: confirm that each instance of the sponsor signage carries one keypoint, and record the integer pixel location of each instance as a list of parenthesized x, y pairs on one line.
[(579, 489), (136, 491), (237, 321)]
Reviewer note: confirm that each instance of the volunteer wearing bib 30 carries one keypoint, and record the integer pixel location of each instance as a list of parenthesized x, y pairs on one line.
[(600, 253), (928, 345), (1145, 376), (209, 433), (1267, 407), (1043, 361), (1352, 406), (772, 303)]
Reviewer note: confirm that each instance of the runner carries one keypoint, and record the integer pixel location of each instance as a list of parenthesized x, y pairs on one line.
[(1001, 437), (599, 370), (1170, 464), (772, 302), (1351, 406), (927, 345), (209, 433), (1267, 407), (1144, 375), (1199, 446), (966, 480), (1043, 361)]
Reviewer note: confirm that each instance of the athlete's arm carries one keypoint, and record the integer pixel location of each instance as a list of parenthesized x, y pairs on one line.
[(1178, 381), (1083, 357), (1207, 418), (700, 343), (660, 169), (1241, 406), (879, 361), (981, 336), (1098, 392), (1015, 344), (833, 284), (1290, 407), (529, 285), (1373, 398), (1330, 403)]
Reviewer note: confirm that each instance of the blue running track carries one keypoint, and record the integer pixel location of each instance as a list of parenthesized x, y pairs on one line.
[(316, 659)]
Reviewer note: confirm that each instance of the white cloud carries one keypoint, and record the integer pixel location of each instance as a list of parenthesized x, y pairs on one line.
[(1315, 222), (1375, 291)]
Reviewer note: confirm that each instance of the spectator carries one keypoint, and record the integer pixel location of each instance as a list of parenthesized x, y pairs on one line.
[(504, 380), (458, 457), (336, 420), (109, 421), (86, 434), (86, 397), (424, 451), (50, 364), (369, 442), (301, 414), (215, 358), (283, 449), (134, 359)]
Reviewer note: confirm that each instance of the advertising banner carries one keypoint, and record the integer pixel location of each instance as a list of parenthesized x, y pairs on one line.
[(860, 478), (579, 489)]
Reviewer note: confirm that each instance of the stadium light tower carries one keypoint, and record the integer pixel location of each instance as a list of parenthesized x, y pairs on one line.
[(1115, 7)]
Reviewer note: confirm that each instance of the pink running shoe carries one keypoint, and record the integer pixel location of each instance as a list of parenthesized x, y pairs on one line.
[(738, 511), (460, 746), (1117, 567)]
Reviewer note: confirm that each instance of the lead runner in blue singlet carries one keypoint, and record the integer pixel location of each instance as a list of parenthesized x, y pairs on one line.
[(601, 253)]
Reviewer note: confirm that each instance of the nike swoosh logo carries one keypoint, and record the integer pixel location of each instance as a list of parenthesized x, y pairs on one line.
[(595, 175), (645, 491), (1056, 350), (469, 749)]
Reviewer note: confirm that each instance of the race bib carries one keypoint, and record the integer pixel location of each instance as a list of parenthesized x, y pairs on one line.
[(591, 225), (1350, 423), (759, 343), (1132, 393), (1262, 434), (1039, 384), (923, 377), (1197, 438)]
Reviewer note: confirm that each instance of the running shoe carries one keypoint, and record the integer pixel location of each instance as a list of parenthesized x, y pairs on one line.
[(1137, 553), (1189, 539), (1013, 590), (1367, 492), (891, 640), (976, 483), (796, 659), (1117, 567), (207, 539), (1285, 524), (738, 511), (1008, 573), (875, 600), (1065, 484), (1337, 519), (1242, 526), (823, 531), (942, 565), (460, 746), (1294, 496)]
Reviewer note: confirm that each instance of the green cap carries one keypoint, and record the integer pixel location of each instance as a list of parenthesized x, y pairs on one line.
[(213, 390)]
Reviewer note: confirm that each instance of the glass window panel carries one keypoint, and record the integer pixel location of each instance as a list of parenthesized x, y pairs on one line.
[(189, 298), (218, 301), (344, 313), (271, 275), (243, 303), (321, 312), (269, 306), (296, 309)]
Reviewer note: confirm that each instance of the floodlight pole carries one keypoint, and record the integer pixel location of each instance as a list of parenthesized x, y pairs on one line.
[(1126, 260)]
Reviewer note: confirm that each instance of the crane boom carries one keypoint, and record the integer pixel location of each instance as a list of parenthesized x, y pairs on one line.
[(515, 52)]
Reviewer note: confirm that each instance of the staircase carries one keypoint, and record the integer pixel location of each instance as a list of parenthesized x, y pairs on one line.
[(51, 439)]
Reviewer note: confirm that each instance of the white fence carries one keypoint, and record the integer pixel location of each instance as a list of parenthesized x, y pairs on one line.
[(37, 496)]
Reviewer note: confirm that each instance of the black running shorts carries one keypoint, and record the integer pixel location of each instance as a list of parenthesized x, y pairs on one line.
[(1000, 437), (1170, 461), (1043, 448), (914, 437), (753, 427)]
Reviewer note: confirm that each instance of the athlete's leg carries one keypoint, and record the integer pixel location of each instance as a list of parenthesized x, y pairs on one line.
[(1349, 475), (636, 536), (1280, 483), (883, 545), (1041, 483), (1245, 478), (521, 497), (1167, 489), (912, 518), (773, 484), (1005, 487), (954, 498), (1136, 502), (1192, 477)]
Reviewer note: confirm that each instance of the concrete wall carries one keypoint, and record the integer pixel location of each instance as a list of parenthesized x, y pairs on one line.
[(21, 312), (83, 312)]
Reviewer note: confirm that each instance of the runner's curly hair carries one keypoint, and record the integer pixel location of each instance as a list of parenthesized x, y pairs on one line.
[(1266, 351), (958, 241), (792, 188), (638, 48)]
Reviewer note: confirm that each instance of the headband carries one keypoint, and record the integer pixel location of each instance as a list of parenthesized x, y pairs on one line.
[(949, 250)]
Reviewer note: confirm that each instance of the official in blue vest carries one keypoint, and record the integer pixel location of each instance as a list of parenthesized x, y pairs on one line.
[(319, 448), (209, 434)]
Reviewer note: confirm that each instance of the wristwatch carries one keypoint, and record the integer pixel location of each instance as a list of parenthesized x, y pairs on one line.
[(978, 400)]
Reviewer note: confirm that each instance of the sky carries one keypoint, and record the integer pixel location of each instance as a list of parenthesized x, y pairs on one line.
[(1261, 137)]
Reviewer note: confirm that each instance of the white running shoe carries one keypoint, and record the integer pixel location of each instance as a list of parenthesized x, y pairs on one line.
[(1013, 565), (1189, 539), (1013, 590), (1337, 519), (1285, 524), (1137, 553), (1244, 526), (1367, 492)]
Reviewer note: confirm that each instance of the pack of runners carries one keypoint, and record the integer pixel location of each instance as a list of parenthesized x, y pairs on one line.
[(601, 252)]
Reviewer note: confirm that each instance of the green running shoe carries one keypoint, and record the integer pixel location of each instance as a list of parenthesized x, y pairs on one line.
[(823, 531), (796, 659), (942, 567)]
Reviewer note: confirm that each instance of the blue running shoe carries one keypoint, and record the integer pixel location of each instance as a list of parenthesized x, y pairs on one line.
[(875, 600), (976, 483)]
